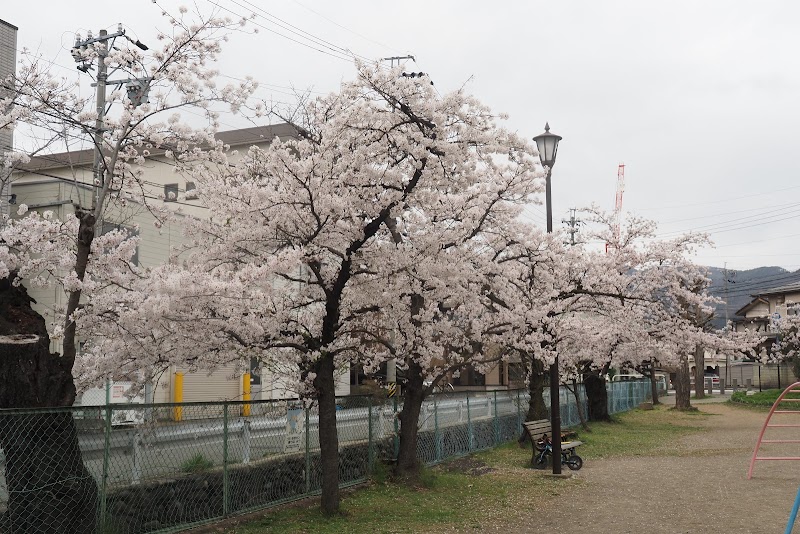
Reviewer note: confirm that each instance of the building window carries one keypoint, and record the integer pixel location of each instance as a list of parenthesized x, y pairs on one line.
[(516, 373), (191, 190), (255, 372), (469, 377), (170, 192)]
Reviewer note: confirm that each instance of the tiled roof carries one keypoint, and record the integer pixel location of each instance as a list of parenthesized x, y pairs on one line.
[(789, 288), (234, 138)]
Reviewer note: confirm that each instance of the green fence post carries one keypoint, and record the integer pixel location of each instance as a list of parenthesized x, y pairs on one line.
[(396, 430), (436, 436), (308, 451), (470, 430), (496, 421), (369, 439), (104, 482), (630, 395), (225, 482)]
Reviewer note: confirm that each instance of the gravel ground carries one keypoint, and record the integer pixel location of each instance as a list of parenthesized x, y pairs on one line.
[(696, 484)]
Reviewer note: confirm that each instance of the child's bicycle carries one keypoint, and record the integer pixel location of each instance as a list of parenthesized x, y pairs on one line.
[(568, 456)]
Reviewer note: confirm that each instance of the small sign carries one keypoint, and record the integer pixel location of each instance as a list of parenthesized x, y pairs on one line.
[(295, 423), (391, 389), (118, 392), (775, 320)]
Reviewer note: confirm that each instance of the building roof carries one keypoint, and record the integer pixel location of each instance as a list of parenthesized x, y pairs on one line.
[(750, 305), (758, 298), (788, 288), (233, 138), (8, 24)]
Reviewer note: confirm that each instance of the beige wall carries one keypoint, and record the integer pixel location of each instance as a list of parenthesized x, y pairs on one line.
[(60, 188)]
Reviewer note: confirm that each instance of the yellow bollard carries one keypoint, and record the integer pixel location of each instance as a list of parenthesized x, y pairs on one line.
[(177, 396), (246, 394)]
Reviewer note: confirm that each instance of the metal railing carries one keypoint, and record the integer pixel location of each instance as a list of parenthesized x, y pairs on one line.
[(175, 465)]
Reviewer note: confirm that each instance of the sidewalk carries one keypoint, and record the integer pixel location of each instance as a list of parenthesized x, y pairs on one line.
[(696, 484), (714, 397)]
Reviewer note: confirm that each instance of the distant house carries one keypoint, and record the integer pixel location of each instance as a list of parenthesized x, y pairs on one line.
[(758, 315), (8, 62), (761, 313), (59, 182)]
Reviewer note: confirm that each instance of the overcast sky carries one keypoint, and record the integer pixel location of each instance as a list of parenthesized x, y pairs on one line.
[(698, 99)]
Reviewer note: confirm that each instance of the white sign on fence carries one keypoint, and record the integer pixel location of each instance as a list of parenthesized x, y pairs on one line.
[(295, 423)]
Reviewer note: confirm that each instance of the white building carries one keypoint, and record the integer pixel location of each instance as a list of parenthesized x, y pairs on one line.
[(59, 182)]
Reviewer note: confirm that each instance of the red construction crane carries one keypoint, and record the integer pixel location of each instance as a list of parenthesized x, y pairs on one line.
[(615, 225)]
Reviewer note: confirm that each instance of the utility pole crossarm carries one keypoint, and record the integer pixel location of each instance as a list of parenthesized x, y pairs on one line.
[(573, 222)]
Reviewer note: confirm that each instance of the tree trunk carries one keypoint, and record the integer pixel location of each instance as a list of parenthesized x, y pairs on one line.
[(50, 489), (699, 372), (325, 386), (597, 397), (654, 387), (683, 389), (82, 251), (578, 404), (537, 409), (407, 468)]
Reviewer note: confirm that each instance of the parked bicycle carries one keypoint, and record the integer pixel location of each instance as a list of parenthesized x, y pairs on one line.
[(568, 456)]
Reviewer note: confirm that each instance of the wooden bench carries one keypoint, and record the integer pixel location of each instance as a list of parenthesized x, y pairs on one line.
[(539, 429)]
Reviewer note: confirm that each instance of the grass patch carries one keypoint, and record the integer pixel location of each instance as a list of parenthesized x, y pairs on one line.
[(197, 464), (762, 398), (637, 433), (455, 500), (476, 491)]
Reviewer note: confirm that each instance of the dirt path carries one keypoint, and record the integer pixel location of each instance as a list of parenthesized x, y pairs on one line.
[(697, 484)]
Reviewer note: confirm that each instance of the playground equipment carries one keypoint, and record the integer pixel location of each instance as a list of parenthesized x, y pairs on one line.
[(783, 398)]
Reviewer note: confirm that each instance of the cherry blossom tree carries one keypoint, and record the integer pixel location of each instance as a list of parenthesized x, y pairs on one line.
[(668, 319), (69, 255), (787, 343), (362, 240), (596, 310)]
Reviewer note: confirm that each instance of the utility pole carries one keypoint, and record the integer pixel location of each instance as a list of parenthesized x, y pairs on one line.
[(391, 364), (573, 223), (137, 92), (728, 275), (102, 77), (398, 59)]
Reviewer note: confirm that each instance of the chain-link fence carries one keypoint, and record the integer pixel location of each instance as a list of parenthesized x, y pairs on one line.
[(136, 468)]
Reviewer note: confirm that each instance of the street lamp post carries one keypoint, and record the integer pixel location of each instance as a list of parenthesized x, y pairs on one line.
[(547, 143)]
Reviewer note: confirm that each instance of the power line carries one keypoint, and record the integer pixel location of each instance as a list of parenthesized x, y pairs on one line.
[(334, 54), (758, 240), (750, 255), (343, 27), (765, 210), (778, 215), (72, 181), (300, 32), (17, 51), (721, 201), (754, 286)]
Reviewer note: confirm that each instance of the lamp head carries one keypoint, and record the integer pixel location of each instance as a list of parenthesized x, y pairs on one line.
[(547, 144)]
